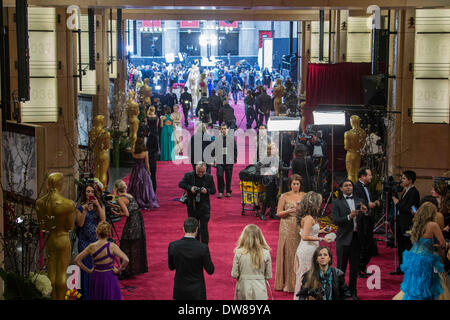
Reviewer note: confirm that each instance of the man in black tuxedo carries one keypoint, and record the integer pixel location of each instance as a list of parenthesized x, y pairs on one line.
[(368, 246), (189, 257), (186, 101), (404, 215), (347, 212), (225, 157), (199, 185)]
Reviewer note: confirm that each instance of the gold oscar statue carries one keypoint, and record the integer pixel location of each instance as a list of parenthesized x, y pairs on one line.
[(278, 92), (133, 121), (145, 91), (56, 216), (354, 141), (100, 143)]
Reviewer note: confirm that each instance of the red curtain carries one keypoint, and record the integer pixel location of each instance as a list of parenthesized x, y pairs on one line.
[(339, 83)]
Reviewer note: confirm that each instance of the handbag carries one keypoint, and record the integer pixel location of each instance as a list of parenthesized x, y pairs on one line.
[(184, 198)]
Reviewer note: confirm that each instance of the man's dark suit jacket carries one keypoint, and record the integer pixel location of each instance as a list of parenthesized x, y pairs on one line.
[(189, 257), (264, 103), (340, 211), (405, 216), (191, 179)]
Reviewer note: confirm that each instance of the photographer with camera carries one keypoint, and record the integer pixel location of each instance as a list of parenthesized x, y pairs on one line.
[(89, 213), (202, 111), (404, 216), (198, 186), (322, 281)]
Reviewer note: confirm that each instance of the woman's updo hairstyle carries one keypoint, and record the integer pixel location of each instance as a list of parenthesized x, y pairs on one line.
[(103, 229), (120, 185)]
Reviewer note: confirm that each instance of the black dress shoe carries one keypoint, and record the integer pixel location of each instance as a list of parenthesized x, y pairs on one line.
[(362, 275), (355, 297)]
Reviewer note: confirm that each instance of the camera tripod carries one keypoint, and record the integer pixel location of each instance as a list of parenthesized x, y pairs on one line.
[(384, 221)]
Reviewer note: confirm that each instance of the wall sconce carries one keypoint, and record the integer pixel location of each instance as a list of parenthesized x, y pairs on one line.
[(411, 22), (344, 26)]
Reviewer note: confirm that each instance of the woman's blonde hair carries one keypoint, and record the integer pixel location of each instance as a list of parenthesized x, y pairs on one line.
[(253, 242), (103, 229), (424, 214), (120, 185), (310, 205)]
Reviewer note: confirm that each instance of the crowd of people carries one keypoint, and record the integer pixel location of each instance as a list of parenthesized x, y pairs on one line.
[(303, 263)]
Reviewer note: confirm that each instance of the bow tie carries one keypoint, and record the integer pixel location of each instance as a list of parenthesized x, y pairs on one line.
[(349, 197)]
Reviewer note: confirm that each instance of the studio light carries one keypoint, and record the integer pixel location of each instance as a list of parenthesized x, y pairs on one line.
[(283, 124), (158, 87), (329, 118)]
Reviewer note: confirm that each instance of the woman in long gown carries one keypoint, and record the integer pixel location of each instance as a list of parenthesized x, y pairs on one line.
[(176, 117), (140, 185), (89, 213), (308, 213), (104, 284), (421, 264), (167, 138), (132, 241), (153, 143), (289, 237)]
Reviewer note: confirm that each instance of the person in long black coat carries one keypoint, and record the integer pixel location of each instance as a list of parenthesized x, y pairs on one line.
[(189, 257), (198, 186)]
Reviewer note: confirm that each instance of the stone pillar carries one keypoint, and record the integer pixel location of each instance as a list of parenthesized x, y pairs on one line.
[(403, 129), (170, 37), (342, 31), (248, 39), (100, 105)]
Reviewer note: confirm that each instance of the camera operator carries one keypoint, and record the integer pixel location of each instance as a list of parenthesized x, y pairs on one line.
[(132, 242), (226, 115), (199, 185), (186, 101), (303, 165), (202, 111), (404, 216)]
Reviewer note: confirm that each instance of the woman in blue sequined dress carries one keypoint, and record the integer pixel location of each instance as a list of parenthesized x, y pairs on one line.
[(421, 264), (88, 214)]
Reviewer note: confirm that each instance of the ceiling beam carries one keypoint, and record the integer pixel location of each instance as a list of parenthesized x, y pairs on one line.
[(236, 15), (239, 4)]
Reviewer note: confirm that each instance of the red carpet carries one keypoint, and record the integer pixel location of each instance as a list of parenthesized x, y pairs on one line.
[(165, 224)]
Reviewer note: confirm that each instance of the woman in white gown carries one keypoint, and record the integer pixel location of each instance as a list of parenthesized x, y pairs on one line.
[(308, 213)]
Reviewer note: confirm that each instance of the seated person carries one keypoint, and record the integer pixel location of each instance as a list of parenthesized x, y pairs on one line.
[(322, 281)]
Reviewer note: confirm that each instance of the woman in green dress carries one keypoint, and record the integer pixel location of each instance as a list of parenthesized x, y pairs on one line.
[(167, 139)]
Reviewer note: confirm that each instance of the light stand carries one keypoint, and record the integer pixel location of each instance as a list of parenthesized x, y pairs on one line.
[(333, 118), (278, 124)]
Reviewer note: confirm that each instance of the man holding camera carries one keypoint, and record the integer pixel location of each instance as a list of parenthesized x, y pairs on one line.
[(199, 185), (404, 216), (347, 212)]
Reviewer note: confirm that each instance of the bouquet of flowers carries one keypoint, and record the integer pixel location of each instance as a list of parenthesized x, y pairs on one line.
[(73, 294)]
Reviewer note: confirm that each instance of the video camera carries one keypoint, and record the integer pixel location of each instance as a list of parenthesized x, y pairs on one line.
[(107, 198), (202, 109), (392, 186)]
